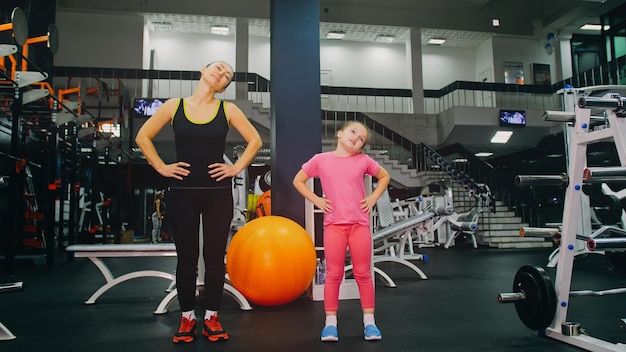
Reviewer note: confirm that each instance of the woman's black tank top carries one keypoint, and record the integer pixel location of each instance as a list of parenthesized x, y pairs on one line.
[(200, 144)]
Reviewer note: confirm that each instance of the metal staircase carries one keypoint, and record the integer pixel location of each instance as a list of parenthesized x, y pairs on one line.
[(497, 229)]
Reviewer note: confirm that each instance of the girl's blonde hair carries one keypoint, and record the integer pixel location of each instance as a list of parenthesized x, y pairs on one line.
[(367, 130)]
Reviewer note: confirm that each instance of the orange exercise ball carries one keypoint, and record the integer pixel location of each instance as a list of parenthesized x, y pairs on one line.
[(271, 260)]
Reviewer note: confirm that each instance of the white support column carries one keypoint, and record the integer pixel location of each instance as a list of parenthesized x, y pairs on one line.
[(564, 57), (414, 58), (241, 56)]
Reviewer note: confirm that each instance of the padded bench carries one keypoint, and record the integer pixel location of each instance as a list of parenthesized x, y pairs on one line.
[(95, 253)]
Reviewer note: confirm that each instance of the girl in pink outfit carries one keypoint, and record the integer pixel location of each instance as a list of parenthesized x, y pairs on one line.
[(346, 210)]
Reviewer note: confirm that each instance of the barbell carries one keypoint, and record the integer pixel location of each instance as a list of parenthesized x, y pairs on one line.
[(535, 298), (613, 242), (610, 239)]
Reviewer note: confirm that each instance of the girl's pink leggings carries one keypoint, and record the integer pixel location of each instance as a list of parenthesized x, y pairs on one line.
[(358, 240)]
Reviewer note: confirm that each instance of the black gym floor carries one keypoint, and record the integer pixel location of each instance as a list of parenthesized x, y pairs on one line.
[(456, 309)]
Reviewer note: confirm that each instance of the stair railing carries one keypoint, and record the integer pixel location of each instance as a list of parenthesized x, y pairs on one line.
[(429, 159)]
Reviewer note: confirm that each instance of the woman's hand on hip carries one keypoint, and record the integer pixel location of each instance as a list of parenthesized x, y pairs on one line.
[(176, 170), (221, 171)]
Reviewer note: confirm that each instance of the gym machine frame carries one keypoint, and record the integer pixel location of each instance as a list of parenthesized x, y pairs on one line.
[(18, 81), (537, 300)]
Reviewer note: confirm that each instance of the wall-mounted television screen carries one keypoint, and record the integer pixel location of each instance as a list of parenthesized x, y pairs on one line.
[(145, 107), (513, 118)]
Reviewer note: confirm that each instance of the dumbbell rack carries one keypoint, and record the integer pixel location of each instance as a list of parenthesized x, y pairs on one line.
[(584, 101)]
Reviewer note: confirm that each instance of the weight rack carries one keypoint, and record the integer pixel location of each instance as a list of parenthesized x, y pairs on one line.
[(536, 298)]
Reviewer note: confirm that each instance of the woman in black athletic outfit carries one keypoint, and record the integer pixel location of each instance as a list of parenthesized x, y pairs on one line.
[(201, 185)]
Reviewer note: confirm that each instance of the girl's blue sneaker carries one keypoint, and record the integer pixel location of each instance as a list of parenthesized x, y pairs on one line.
[(330, 333), (372, 333)]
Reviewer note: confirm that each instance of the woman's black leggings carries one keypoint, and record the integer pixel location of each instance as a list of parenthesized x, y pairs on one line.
[(184, 209)]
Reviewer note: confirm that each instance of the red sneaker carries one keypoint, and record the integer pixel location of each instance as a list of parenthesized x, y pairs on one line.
[(186, 331), (213, 329)]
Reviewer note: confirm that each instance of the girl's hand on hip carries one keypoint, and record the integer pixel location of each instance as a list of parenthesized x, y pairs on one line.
[(323, 204), (367, 204)]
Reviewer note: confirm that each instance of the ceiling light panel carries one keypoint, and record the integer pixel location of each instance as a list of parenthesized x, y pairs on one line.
[(501, 137), (220, 30), (483, 154), (162, 27), (436, 41), (594, 27), (354, 32), (456, 39), (385, 38), (336, 35)]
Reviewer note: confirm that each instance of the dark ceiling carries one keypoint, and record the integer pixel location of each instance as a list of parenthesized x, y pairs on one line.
[(527, 18)]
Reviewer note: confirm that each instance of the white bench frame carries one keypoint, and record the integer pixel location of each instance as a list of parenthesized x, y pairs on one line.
[(5, 333), (95, 253)]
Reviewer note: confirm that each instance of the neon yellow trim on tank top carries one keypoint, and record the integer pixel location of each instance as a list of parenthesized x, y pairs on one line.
[(226, 114), (200, 123)]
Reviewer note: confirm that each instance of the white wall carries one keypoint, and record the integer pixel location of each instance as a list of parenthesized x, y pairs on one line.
[(190, 52), (526, 51), (442, 66), (370, 65), (114, 40), (99, 40), (484, 62)]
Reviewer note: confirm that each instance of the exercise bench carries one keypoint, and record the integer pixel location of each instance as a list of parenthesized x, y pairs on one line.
[(95, 253), (390, 228)]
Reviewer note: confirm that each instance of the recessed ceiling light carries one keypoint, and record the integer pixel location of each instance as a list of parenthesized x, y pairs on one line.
[(501, 137), (436, 41), (220, 30), (483, 154), (495, 22), (337, 35), (385, 38)]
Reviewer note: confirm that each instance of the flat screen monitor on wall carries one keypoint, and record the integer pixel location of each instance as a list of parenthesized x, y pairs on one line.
[(514, 118), (145, 107)]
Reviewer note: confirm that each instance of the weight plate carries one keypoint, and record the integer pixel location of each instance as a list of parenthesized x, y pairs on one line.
[(20, 26), (616, 261), (53, 38), (266, 181), (592, 189), (537, 310), (608, 209)]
